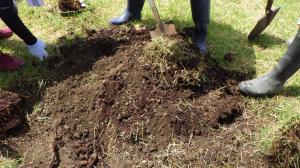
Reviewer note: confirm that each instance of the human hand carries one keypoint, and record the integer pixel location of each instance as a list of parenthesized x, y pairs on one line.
[(38, 49)]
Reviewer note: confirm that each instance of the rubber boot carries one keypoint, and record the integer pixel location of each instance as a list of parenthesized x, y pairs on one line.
[(274, 81), (201, 17), (132, 12), (6, 33), (9, 63)]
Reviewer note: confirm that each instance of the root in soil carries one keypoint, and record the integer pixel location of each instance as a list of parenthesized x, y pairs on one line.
[(118, 113)]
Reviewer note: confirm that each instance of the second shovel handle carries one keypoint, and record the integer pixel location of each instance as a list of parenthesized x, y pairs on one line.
[(269, 5), (156, 15)]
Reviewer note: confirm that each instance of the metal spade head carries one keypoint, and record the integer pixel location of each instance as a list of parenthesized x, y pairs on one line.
[(162, 28), (263, 23), (165, 29)]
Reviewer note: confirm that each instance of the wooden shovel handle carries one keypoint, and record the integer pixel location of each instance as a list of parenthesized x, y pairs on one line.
[(156, 15), (269, 6)]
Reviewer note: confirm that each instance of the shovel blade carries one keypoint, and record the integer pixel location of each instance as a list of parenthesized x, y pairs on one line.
[(262, 24), (169, 29)]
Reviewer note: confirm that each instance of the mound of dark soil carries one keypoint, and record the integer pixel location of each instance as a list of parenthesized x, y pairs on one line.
[(10, 112), (118, 113)]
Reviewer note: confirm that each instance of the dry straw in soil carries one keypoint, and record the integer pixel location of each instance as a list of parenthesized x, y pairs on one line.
[(176, 61)]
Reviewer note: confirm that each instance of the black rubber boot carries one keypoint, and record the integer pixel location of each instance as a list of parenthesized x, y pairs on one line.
[(132, 12), (201, 17), (274, 81)]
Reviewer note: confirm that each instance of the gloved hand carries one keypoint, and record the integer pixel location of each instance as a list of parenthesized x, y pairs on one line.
[(37, 3), (38, 49)]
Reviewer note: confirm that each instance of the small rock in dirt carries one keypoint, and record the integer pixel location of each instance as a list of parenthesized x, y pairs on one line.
[(140, 30), (83, 163), (146, 66), (67, 127), (83, 156), (76, 135), (147, 131)]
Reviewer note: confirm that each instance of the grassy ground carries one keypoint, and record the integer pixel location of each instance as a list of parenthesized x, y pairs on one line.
[(230, 23)]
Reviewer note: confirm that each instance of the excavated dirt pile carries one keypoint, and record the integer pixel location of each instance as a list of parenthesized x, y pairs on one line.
[(115, 105)]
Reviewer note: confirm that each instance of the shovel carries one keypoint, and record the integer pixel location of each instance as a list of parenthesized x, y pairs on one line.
[(162, 28), (264, 22)]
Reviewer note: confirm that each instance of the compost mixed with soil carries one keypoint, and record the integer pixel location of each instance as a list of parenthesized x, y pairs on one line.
[(110, 107)]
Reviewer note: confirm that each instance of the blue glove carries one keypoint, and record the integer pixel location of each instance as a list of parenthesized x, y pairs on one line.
[(38, 49)]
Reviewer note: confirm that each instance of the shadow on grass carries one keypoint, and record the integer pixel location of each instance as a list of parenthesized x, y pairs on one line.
[(266, 41), (291, 91)]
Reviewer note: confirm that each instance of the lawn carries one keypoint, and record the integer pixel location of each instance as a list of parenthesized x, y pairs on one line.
[(231, 20)]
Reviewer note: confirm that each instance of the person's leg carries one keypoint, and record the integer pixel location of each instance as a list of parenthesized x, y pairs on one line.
[(132, 12), (274, 81), (201, 17), (5, 33), (9, 63)]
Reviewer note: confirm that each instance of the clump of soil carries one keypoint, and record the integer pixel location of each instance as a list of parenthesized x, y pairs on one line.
[(176, 61), (285, 150), (171, 50), (113, 110), (69, 5), (10, 112)]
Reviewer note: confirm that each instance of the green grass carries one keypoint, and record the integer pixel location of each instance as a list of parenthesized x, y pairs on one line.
[(231, 20), (9, 163)]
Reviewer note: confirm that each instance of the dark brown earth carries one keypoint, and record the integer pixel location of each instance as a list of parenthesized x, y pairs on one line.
[(69, 5), (107, 108), (10, 111)]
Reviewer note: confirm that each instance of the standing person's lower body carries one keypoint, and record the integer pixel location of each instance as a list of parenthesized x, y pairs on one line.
[(200, 12)]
